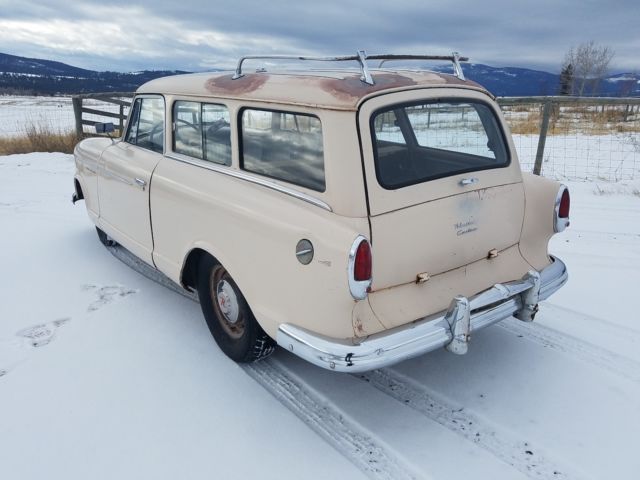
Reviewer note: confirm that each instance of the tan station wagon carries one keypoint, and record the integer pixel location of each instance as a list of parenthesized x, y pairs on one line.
[(355, 217)]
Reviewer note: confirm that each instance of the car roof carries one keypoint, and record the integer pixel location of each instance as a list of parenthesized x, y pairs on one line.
[(331, 89)]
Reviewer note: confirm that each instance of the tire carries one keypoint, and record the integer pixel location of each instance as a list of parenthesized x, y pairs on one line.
[(228, 316), (105, 239)]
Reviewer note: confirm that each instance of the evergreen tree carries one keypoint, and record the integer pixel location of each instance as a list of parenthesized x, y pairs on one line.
[(566, 79)]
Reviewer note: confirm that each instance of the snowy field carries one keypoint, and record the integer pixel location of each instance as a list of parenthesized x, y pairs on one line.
[(612, 157), (18, 113), (105, 374)]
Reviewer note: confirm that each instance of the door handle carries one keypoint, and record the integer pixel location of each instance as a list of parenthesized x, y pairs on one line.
[(469, 181), (140, 182)]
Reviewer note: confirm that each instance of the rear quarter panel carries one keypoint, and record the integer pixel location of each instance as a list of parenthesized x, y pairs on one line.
[(537, 228), (253, 232)]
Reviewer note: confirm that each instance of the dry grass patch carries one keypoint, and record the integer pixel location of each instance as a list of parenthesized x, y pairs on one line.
[(586, 120), (39, 139)]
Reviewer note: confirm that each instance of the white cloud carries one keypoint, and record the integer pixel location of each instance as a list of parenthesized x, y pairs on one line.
[(200, 34)]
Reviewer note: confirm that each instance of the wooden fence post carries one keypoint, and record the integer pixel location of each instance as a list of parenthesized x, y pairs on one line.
[(544, 127), (121, 121), (77, 112)]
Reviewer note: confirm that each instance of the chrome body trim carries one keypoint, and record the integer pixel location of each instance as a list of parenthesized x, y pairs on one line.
[(559, 224), (358, 289), (447, 328), (225, 170)]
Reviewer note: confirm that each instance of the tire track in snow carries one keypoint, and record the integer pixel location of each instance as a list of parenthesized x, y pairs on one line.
[(580, 349), (620, 330), (318, 414), (520, 454), (328, 422)]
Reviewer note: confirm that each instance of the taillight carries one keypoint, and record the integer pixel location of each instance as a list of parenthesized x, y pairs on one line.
[(565, 202), (360, 268), (561, 211)]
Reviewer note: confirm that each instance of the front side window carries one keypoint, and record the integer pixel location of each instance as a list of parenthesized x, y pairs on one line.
[(146, 125), (202, 131), (420, 142), (285, 146)]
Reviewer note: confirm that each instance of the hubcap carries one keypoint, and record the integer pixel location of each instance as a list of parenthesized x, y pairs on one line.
[(227, 301)]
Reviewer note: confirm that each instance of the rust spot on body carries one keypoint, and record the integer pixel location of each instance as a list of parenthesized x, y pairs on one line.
[(352, 88), (226, 85)]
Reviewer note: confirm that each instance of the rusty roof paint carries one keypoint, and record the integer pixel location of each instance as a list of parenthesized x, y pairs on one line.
[(337, 89), (352, 88), (226, 85)]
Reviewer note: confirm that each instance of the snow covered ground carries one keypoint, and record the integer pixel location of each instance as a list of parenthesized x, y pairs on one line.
[(105, 374), (18, 113)]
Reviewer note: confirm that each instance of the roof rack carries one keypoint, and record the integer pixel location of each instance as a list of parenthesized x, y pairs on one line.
[(361, 57)]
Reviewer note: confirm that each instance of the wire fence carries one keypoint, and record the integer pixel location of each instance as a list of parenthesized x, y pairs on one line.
[(576, 138), (586, 138)]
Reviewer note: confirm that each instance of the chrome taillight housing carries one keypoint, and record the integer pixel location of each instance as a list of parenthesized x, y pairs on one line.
[(561, 209), (360, 266)]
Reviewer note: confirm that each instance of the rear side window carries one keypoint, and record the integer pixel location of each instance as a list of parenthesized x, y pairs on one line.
[(420, 142), (146, 125), (202, 131), (285, 146)]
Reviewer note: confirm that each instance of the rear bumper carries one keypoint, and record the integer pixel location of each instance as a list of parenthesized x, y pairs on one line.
[(450, 328)]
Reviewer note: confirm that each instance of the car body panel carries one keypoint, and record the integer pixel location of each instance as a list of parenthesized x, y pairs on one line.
[(463, 238), (124, 203)]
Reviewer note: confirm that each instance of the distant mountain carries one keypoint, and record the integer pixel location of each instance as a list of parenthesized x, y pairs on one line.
[(512, 81), (31, 75), (36, 76)]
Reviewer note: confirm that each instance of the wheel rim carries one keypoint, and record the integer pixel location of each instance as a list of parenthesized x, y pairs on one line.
[(226, 303)]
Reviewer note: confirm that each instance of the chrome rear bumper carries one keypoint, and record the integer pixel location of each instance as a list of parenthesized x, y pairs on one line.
[(449, 329)]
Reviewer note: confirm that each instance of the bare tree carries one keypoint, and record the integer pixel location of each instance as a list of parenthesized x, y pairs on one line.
[(590, 63)]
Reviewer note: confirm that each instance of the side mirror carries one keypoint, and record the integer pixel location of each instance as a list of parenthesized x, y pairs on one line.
[(104, 128)]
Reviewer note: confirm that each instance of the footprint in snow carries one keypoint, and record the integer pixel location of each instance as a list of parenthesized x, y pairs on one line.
[(14, 351), (42, 334), (106, 294)]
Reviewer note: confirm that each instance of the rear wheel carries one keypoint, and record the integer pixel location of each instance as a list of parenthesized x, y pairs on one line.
[(228, 316)]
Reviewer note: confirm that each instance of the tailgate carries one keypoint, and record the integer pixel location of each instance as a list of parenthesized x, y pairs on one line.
[(444, 186), (444, 234)]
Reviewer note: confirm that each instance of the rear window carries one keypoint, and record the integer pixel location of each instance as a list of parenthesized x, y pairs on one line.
[(283, 145), (414, 143)]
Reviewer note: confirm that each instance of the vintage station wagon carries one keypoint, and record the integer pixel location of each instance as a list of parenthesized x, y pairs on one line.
[(356, 218)]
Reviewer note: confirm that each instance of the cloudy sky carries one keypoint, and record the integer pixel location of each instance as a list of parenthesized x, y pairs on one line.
[(199, 34)]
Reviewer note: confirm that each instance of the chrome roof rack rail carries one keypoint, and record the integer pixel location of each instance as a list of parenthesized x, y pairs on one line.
[(454, 58), (361, 57)]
